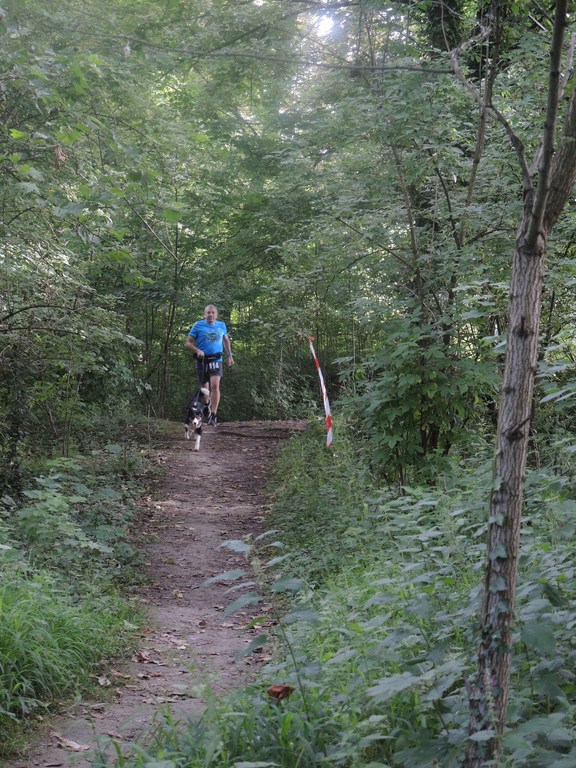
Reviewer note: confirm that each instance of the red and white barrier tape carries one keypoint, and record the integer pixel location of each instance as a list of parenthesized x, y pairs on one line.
[(324, 395)]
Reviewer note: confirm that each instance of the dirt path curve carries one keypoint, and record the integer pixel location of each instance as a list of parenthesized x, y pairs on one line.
[(204, 499)]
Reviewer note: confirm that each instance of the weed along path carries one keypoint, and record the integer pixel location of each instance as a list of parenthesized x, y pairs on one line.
[(189, 647)]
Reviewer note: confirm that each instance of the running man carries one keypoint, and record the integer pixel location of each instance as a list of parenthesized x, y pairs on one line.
[(209, 339)]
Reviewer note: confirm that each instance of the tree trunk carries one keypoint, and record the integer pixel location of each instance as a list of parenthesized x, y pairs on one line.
[(489, 693), (543, 204)]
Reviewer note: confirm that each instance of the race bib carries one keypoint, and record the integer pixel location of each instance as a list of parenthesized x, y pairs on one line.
[(213, 366)]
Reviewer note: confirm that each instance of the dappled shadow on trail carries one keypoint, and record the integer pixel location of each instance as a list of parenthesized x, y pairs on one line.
[(203, 499)]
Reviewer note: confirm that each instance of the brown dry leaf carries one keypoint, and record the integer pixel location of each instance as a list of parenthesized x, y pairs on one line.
[(177, 593), (173, 639), (121, 675), (280, 692), (59, 157), (71, 746), (143, 657), (162, 700)]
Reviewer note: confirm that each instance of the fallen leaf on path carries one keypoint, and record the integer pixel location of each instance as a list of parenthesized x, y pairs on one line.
[(71, 746), (177, 593), (103, 681), (176, 640), (162, 700), (142, 657), (122, 675)]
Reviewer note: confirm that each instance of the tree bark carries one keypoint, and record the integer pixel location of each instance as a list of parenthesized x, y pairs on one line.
[(543, 204), (489, 693)]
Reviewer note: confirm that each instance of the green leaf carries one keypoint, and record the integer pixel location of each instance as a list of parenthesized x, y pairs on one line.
[(568, 761), (388, 687), (107, 493), (266, 534), (250, 598), (161, 764), (242, 585), (226, 576), (257, 642), (29, 187), (254, 765), (287, 584), (543, 725), (483, 735), (171, 216), (235, 545), (539, 637), (304, 613)]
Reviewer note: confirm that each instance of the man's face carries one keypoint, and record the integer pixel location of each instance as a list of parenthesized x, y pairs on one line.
[(210, 313)]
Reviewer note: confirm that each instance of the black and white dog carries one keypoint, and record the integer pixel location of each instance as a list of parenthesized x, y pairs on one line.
[(196, 412)]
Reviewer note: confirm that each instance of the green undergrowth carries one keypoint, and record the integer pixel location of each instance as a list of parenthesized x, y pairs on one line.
[(68, 564), (375, 633)]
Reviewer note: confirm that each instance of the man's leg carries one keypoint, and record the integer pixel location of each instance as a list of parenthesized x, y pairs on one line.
[(215, 392), (204, 387), (205, 400)]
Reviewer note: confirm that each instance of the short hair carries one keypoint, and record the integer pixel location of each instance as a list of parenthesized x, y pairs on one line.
[(211, 306)]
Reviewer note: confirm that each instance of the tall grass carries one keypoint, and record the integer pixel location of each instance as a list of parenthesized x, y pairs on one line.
[(51, 645), (64, 553)]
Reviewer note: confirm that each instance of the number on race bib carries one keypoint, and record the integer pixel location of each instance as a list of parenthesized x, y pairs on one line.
[(213, 366)]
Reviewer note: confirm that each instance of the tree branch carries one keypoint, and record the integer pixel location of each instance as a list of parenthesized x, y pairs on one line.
[(543, 188)]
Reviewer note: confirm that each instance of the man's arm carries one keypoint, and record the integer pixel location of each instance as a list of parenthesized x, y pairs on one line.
[(191, 344), (228, 349)]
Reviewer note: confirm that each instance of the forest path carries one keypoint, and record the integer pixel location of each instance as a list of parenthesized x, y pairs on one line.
[(203, 499)]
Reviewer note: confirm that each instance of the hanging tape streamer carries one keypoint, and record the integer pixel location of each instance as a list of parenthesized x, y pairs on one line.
[(324, 395)]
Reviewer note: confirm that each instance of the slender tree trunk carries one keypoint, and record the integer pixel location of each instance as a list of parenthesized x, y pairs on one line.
[(489, 693), (555, 164)]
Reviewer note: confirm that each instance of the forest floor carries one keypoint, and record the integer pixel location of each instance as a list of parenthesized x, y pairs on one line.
[(188, 647)]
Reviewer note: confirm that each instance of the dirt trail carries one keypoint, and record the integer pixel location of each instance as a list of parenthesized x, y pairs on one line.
[(204, 499)]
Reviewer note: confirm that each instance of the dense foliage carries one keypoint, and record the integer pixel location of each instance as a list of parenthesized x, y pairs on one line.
[(312, 168), (375, 632), (66, 552)]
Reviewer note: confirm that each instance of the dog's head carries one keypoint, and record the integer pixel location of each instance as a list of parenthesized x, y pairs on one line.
[(194, 414)]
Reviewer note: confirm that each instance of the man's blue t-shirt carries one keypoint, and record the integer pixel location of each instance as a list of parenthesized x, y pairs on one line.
[(209, 336)]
